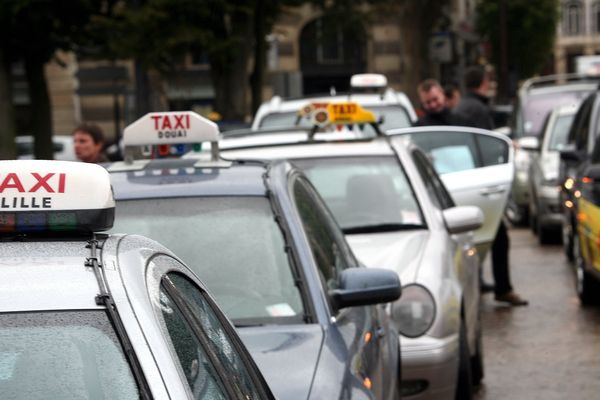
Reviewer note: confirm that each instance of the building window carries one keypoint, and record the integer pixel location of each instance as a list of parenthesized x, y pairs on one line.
[(596, 17), (572, 18)]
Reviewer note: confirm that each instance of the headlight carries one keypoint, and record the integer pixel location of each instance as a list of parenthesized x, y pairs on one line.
[(414, 312)]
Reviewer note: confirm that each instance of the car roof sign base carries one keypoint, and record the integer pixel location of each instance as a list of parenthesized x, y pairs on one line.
[(40, 196)]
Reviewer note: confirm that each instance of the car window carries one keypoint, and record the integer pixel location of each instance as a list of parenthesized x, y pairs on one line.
[(199, 370), (438, 193), (240, 377), (233, 243), (537, 106), (449, 151), (581, 123), (329, 249), (62, 355), (559, 132), (391, 117), (364, 193), (493, 151)]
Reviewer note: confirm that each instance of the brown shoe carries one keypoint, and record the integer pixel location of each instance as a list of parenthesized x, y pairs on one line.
[(511, 298)]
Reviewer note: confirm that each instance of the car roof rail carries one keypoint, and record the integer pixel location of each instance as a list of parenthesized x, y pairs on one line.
[(548, 80)]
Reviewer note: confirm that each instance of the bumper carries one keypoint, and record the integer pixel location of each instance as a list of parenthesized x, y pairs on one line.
[(549, 212), (430, 360)]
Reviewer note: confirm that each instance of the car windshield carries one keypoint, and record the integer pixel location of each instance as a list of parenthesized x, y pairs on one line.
[(62, 355), (389, 116), (537, 106), (365, 194), (560, 132), (232, 243)]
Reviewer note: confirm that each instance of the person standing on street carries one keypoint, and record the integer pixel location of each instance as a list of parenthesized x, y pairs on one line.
[(474, 110), (88, 143), (435, 106)]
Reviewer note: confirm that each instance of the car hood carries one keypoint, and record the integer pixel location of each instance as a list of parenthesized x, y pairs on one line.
[(398, 251), (549, 164), (287, 356)]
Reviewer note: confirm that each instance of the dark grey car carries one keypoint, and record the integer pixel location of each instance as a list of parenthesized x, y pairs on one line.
[(278, 265)]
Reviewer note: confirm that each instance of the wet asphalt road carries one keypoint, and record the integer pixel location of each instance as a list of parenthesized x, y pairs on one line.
[(549, 349)]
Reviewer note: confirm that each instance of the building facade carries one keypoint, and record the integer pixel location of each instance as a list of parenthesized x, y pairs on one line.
[(578, 33)]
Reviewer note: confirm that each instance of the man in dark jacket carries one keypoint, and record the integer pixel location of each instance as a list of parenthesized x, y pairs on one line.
[(475, 111), (435, 106), (474, 106)]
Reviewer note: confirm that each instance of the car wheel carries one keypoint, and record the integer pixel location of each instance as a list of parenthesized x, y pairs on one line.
[(477, 370), (464, 383), (544, 234), (516, 214), (587, 286), (567, 239)]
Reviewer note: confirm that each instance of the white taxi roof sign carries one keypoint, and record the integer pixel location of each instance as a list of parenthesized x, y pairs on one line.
[(173, 127), (368, 81), (42, 195)]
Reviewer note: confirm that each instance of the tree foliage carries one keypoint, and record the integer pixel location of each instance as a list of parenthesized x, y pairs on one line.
[(530, 31), (32, 31)]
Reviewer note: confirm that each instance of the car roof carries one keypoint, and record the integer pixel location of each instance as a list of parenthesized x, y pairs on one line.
[(314, 149), (56, 269), (167, 178)]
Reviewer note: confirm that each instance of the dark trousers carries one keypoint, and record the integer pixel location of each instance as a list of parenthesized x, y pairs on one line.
[(500, 248)]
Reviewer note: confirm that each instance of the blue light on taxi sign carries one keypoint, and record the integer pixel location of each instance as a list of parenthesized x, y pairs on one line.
[(50, 196)]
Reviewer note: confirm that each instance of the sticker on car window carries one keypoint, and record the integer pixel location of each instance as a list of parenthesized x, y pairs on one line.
[(281, 310)]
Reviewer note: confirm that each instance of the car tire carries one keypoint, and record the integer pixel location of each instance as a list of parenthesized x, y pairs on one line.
[(532, 220), (464, 381), (567, 239), (587, 286), (517, 215), (544, 234), (477, 369)]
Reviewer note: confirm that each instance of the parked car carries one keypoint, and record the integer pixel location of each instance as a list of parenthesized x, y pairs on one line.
[(545, 211), (269, 250), (84, 314), (576, 157), (537, 97), (63, 147)]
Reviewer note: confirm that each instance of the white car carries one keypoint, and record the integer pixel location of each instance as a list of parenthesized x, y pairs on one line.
[(63, 147), (545, 212), (397, 214), (392, 108), (476, 165)]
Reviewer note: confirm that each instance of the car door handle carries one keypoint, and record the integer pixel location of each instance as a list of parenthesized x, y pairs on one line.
[(488, 191)]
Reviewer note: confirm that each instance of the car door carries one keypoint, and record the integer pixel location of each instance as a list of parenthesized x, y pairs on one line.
[(476, 167), (363, 331), (208, 354)]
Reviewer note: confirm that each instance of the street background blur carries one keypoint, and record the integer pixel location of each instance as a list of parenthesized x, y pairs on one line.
[(109, 61)]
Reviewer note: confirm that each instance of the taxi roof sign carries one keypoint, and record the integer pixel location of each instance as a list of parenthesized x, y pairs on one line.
[(42, 196), (172, 127), (368, 81), (339, 113)]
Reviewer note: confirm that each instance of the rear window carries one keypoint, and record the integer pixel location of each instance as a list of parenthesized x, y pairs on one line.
[(62, 355), (536, 108)]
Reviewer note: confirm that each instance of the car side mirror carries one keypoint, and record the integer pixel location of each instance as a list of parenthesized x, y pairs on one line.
[(462, 219), (530, 143), (366, 286), (592, 172), (570, 153)]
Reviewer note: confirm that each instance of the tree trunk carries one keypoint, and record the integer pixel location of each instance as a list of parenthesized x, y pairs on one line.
[(40, 108), (8, 149), (229, 69), (416, 22), (142, 91), (260, 52)]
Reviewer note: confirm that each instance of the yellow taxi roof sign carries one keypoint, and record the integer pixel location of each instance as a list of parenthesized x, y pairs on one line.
[(339, 113)]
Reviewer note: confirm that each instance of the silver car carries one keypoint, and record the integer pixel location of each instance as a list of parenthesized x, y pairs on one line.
[(545, 211), (88, 315), (397, 214)]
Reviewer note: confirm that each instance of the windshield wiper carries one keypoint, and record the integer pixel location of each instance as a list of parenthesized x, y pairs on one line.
[(382, 228)]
